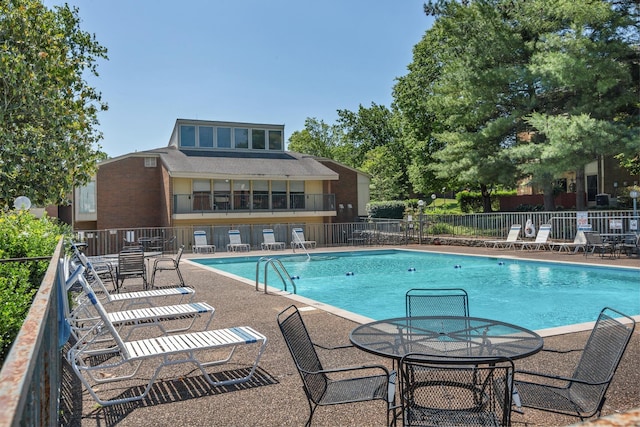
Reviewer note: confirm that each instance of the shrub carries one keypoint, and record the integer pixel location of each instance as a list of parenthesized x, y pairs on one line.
[(22, 236), (390, 209)]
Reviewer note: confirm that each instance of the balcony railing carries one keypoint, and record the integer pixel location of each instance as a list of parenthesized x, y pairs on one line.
[(225, 202)]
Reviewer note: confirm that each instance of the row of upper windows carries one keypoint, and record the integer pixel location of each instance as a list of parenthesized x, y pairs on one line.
[(227, 137)]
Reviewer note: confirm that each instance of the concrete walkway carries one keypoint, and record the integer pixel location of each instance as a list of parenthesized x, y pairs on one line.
[(275, 396)]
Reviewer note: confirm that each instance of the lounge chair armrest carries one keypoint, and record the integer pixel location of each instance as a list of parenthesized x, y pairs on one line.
[(561, 378)]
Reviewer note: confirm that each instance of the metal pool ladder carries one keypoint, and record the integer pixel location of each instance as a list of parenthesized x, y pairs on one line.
[(278, 267)]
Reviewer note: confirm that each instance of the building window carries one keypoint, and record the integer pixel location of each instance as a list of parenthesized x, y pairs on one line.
[(87, 198), (187, 136), (257, 139), (260, 195), (150, 162), (296, 195), (205, 136), (241, 138), (201, 195), (224, 137), (275, 140), (241, 195), (221, 195), (279, 194)]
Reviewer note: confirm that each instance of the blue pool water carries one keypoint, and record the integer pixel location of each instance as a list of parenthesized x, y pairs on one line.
[(532, 294)]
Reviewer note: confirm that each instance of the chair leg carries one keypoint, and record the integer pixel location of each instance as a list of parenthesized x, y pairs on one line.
[(153, 278), (180, 276)]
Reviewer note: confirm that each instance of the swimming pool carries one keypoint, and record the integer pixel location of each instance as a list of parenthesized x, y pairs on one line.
[(532, 294)]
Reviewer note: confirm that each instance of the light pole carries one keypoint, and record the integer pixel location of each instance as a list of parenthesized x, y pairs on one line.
[(634, 195), (420, 206)]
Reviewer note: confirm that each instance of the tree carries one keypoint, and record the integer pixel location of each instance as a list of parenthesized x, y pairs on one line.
[(487, 66), (317, 139), (371, 142), (48, 112)]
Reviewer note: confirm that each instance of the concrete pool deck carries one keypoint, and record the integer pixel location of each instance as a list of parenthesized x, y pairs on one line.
[(275, 397)]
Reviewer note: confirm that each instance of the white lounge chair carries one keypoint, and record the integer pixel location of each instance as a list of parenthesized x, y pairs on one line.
[(512, 237), (541, 242), (269, 242), (579, 242), (298, 240), (82, 317), (127, 299), (235, 242), (126, 357), (200, 243)]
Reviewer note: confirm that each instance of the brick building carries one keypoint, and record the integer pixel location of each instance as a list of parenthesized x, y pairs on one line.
[(220, 173)]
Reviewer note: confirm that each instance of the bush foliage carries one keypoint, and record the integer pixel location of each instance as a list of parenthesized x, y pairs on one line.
[(393, 209), (22, 236)]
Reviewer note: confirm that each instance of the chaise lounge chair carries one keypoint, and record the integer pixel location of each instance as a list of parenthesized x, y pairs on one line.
[(235, 242), (579, 242), (82, 317), (542, 239), (200, 243), (512, 237), (269, 242), (128, 299), (298, 240), (126, 357)]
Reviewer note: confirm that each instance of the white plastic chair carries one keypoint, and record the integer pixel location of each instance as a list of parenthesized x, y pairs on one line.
[(512, 237), (200, 243), (269, 242), (235, 242), (541, 242), (298, 240)]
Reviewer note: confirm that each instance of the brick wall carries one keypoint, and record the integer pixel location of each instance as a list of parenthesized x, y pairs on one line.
[(346, 191), (130, 194)]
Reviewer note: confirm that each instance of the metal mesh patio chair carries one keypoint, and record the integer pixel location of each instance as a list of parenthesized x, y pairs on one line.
[(596, 244), (451, 392), (583, 393), (337, 385), (167, 264), (437, 302)]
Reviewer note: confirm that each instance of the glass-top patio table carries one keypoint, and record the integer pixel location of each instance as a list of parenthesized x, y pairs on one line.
[(469, 338)]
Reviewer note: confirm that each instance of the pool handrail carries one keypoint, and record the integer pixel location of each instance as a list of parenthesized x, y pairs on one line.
[(277, 265)]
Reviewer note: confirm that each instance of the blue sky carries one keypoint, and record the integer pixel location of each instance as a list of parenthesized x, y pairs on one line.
[(276, 62)]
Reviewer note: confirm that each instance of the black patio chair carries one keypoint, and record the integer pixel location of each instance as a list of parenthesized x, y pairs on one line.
[(582, 394), (130, 264), (167, 264), (595, 244), (437, 302), (337, 385), (450, 391)]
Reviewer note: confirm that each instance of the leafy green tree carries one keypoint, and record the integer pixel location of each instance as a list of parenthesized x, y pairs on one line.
[(371, 142), (317, 139), (485, 68), (48, 112)]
